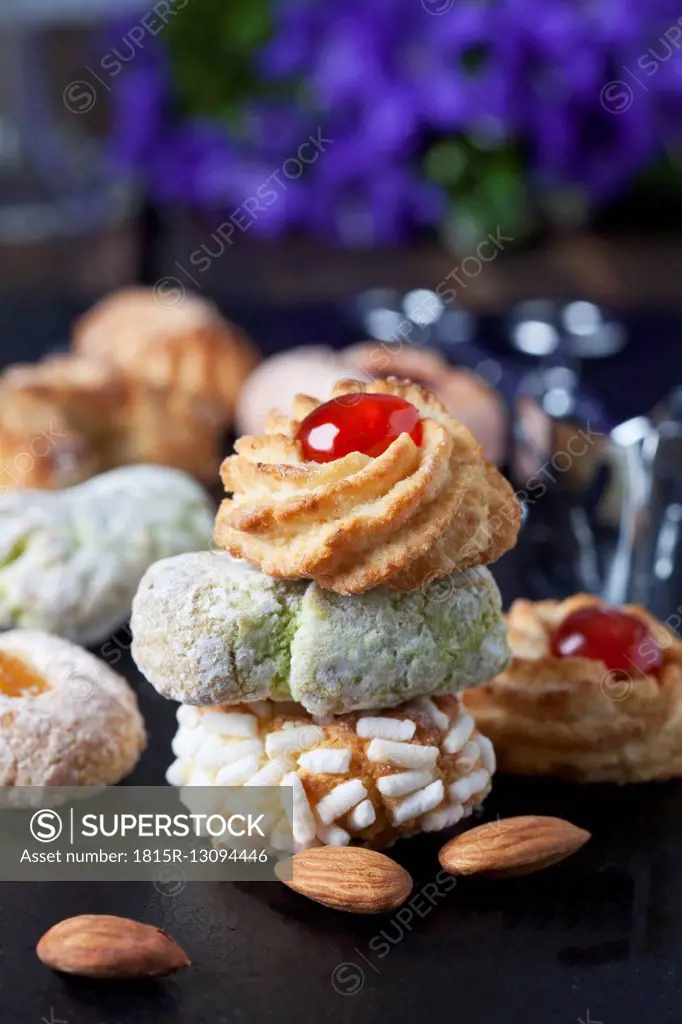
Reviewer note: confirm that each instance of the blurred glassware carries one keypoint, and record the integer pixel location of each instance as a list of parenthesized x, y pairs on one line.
[(387, 316), (583, 478), (544, 329), (455, 327), (656, 576), (55, 179), (555, 340), (604, 512), (419, 317), (588, 331), (533, 329)]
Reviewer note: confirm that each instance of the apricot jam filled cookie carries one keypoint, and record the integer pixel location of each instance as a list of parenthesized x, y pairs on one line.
[(593, 694), (66, 718)]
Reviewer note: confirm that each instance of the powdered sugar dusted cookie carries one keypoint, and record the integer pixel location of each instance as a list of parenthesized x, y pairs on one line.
[(208, 629), (66, 718), (70, 560), (367, 778)]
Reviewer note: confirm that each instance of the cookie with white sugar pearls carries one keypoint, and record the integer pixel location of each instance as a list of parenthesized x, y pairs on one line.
[(360, 778), (66, 718)]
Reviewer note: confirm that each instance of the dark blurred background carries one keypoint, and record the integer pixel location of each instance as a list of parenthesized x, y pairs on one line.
[(494, 180)]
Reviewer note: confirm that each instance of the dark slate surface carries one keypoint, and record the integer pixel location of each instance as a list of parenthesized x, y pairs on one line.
[(596, 939)]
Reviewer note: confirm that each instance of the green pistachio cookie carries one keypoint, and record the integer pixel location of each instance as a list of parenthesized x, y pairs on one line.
[(71, 560), (208, 629)]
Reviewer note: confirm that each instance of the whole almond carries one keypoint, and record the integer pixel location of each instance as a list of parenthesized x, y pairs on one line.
[(348, 878), (104, 946), (513, 846)]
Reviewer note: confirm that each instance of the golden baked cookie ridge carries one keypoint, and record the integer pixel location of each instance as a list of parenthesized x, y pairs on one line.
[(400, 519)]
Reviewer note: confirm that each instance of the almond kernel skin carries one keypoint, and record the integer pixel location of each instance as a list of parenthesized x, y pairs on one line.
[(106, 946), (512, 847), (349, 878)]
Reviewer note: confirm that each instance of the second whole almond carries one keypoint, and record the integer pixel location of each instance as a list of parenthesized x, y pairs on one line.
[(512, 846)]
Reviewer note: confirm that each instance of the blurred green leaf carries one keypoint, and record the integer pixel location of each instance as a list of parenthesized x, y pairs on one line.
[(487, 188), (446, 162), (474, 58), (214, 34)]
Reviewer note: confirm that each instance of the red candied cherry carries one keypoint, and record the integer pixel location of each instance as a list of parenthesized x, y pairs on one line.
[(357, 423), (620, 640)]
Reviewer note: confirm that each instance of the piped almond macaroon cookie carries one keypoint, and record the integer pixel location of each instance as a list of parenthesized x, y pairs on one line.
[(66, 718), (367, 778), (379, 486), (593, 693)]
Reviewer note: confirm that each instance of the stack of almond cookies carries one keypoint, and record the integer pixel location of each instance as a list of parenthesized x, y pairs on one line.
[(150, 378), (324, 645)]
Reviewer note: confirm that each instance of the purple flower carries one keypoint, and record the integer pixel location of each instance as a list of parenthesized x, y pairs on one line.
[(386, 79)]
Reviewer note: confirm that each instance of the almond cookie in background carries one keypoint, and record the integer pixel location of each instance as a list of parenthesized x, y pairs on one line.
[(315, 371), (208, 629), (66, 718), (593, 694), (39, 446), (71, 560), (424, 504), (368, 778), (311, 370), (176, 341), (144, 383), (68, 417)]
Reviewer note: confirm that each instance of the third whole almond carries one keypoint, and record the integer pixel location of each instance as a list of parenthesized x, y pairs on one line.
[(105, 946), (512, 846)]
